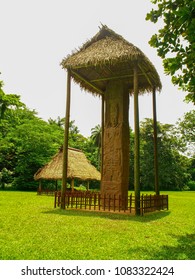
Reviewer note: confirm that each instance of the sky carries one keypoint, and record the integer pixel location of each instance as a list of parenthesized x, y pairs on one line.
[(37, 34)]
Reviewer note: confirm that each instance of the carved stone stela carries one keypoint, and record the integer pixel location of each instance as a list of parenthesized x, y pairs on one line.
[(115, 175)]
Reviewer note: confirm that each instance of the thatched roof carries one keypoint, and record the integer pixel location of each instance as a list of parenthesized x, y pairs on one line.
[(108, 56), (78, 167)]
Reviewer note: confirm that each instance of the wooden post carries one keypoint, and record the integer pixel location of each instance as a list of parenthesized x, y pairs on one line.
[(65, 146), (102, 134), (55, 199), (137, 144), (40, 187), (155, 143), (72, 185), (87, 185)]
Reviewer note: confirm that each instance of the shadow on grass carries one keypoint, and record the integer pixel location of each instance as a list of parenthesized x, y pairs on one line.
[(184, 250), (109, 215)]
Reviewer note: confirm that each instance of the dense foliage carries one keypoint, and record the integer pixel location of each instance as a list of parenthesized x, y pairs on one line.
[(173, 165), (27, 143), (175, 42)]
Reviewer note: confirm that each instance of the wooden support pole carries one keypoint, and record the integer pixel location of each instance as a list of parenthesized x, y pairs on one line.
[(72, 185), (65, 146), (155, 143), (87, 185), (102, 134), (40, 187), (137, 144)]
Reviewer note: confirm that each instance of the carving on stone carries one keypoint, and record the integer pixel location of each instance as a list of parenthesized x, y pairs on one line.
[(115, 173), (114, 114)]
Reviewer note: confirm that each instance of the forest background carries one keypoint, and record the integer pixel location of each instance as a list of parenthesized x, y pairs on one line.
[(27, 143)]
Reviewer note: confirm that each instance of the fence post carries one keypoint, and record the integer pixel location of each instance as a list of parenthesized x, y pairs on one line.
[(85, 201), (130, 198), (142, 204), (109, 202), (104, 202), (125, 203), (58, 198), (90, 201), (76, 200), (99, 201), (55, 201), (161, 202), (72, 199), (94, 200)]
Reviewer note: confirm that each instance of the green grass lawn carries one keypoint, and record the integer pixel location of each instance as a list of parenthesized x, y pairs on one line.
[(30, 228)]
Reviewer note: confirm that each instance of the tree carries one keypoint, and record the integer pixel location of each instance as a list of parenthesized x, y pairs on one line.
[(5, 177), (27, 145), (36, 142), (96, 133), (26, 142), (173, 165), (75, 139), (175, 42), (7, 101), (59, 121), (186, 129)]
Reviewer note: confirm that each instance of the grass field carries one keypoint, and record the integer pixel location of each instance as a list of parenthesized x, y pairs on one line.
[(30, 228)]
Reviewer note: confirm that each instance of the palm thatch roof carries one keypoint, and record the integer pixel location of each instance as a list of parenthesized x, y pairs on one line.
[(78, 167), (108, 56)]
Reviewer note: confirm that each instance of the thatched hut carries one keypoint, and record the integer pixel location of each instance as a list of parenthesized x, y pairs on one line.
[(78, 168), (111, 67)]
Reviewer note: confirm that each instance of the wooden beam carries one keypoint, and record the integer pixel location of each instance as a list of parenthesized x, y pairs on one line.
[(111, 78), (137, 143), (65, 145), (86, 81), (145, 74), (155, 143), (114, 78)]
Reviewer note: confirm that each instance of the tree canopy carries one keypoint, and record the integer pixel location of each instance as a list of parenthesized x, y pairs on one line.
[(175, 42), (173, 165), (8, 100)]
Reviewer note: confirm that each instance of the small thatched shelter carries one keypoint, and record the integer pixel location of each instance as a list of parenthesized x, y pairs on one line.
[(78, 167)]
